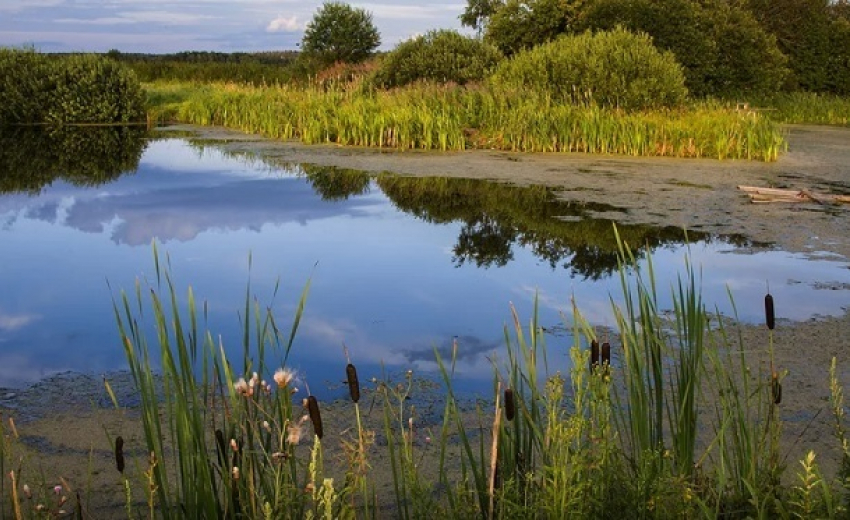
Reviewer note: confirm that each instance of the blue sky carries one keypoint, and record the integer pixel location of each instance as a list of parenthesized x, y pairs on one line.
[(159, 26)]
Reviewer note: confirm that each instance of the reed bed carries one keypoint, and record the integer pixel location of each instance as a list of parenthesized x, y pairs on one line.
[(446, 118), (669, 416)]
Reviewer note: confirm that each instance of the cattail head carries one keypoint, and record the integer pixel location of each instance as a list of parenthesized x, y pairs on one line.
[(769, 317), (510, 405), (594, 354), (776, 388), (315, 416), (605, 354), (353, 382), (119, 454)]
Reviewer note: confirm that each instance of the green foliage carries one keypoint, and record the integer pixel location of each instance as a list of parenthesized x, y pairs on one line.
[(478, 12), (722, 48), (339, 32), (611, 69), (73, 89), (523, 24), (441, 118), (438, 56)]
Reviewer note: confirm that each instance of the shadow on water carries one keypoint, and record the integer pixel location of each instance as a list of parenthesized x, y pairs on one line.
[(32, 158)]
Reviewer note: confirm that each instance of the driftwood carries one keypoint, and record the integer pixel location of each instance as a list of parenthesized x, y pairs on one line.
[(765, 195)]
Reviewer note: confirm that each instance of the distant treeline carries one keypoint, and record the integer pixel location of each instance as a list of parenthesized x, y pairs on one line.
[(257, 68)]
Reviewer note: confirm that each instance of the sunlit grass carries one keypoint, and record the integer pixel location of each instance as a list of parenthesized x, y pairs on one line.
[(457, 118)]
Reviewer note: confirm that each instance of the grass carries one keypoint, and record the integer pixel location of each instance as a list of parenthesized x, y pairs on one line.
[(457, 118), (681, 420)]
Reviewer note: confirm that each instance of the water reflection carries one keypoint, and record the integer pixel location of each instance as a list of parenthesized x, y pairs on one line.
[(34, 157), (399, 266)]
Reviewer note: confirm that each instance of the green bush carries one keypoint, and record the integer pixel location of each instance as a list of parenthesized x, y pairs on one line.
[(610, 69), (722, 49), (92, 89), (439, 56), (24, 85), (77, 89)]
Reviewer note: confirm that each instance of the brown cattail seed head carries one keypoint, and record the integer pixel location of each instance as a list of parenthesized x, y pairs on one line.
[(605, 354), (776, 389), (769, 317), (510, 405), (594, 354), (353, 382), (119, 454), (315, 416)]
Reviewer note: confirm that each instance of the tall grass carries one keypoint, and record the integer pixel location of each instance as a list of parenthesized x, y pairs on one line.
[(680, 419), (456, 118)]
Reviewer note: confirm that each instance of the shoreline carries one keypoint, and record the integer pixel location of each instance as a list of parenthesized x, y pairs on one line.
[(64, 417)]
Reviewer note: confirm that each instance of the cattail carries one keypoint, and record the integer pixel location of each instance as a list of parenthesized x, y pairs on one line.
[(510, 405), (315, 416), (119, 454), (606, 353), (594, 354), (776, 389), (769, 317), (353, 382)]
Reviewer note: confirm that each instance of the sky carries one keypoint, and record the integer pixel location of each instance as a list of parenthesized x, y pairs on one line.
[(165, 26)]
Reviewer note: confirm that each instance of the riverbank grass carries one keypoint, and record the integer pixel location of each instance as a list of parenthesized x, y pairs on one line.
[(668, 416)]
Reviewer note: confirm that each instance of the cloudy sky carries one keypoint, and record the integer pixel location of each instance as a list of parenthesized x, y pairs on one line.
[(161, 26)]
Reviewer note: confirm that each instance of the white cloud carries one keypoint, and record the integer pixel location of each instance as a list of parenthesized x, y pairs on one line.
[(19, 5), (284, 24), (10, 322)]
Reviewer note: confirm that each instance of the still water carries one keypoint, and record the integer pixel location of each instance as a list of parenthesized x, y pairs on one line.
[(398, 266)]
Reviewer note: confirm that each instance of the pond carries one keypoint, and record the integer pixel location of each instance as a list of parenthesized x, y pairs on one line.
[(398, 266)]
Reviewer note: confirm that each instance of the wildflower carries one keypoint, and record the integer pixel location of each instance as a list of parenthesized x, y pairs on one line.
[(235, 472), (233, 445), (266, 426), (242, 387), (294, 431), (283, 376), (57, 489), (27, 491)]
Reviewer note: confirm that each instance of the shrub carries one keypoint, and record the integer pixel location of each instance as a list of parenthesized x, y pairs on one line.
[(93, 89), (612, 69), (440, 56), (77, 89), (24, 77), (722, 49)]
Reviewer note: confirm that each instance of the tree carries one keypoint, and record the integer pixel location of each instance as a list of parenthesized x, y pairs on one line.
[(339, 32), (478, 12)]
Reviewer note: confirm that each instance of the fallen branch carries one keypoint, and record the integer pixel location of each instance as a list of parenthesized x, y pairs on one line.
[(767, 195)]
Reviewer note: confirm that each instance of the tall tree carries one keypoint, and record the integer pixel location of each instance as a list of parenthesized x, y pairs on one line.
[(340, 33)]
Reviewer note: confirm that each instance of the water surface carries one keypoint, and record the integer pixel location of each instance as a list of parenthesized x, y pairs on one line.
[(398, 266)]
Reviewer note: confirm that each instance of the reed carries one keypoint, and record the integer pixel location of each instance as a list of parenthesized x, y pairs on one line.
[(447, 118), (676, 419)]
